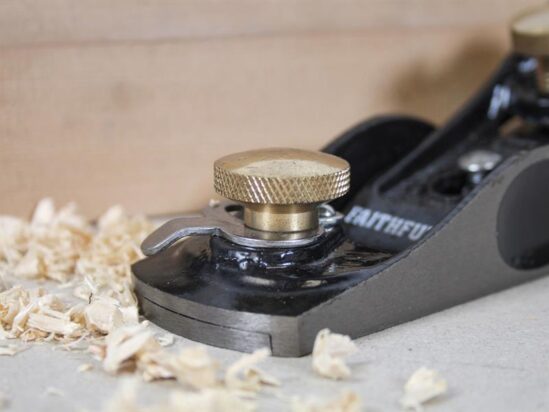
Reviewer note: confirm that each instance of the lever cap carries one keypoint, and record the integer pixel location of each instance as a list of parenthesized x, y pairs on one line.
[(281, 176)]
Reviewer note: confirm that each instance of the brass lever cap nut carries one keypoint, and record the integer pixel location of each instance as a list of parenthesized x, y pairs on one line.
[(281, 177), (280, 188), (530, 32)]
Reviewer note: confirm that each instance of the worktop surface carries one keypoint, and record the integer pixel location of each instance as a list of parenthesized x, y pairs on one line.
[(494, 353)]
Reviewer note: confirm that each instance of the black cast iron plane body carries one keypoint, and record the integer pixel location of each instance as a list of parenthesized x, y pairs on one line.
[(419, 234)]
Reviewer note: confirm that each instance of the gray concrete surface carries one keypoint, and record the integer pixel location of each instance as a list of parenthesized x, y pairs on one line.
[(494, 352)]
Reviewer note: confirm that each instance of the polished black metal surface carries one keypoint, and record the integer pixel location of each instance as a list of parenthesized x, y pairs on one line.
[(278, 282)]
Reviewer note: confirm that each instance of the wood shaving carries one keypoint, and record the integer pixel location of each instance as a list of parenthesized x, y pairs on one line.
[(165, 339), (192, 367), (124, 346), (348, 402), (103, 315), (329, 352), (85, 367), (13, 235), (49, 246), (424, 384), (51, 391), (195, 367), (11, 350), (50, 324), (6, 351), (256, 377), (243, 374), (207, 400), (157, 365), (133, 348)]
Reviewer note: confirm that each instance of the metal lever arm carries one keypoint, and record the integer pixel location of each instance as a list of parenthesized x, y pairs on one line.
[(176, 229), (216, 221)]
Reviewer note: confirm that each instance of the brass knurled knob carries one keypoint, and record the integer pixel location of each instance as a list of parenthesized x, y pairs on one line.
[(530, 34), (280, 188)]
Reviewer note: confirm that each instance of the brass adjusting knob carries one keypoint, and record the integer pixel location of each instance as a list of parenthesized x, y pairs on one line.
[(281, 188), (530, 34)]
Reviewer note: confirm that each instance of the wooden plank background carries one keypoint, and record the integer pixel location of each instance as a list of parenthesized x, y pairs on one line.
[(131, 101)]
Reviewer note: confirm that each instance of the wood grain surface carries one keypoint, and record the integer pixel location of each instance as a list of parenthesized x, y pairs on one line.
[(131, 102)]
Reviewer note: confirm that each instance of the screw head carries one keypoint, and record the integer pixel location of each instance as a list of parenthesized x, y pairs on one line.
[(479, 161)]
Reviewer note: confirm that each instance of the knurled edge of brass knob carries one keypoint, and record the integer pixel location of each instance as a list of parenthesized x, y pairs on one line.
[(281, 190), (530, 40)]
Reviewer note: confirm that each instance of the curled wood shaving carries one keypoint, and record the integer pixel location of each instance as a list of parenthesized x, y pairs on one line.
[(50, 324), (134, 348), (195, 367), (156, 365), (192, 367), (243, 374), (348, 401), (329, 352), (125, 345), (103, 315), (424, 385)]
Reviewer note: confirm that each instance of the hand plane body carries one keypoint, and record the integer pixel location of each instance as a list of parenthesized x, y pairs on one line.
[(431, 218)]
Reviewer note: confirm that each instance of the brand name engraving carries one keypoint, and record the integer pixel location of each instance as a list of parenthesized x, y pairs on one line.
[(386, 223)]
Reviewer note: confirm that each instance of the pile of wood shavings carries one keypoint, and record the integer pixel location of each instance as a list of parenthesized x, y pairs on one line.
[(93, 261)]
